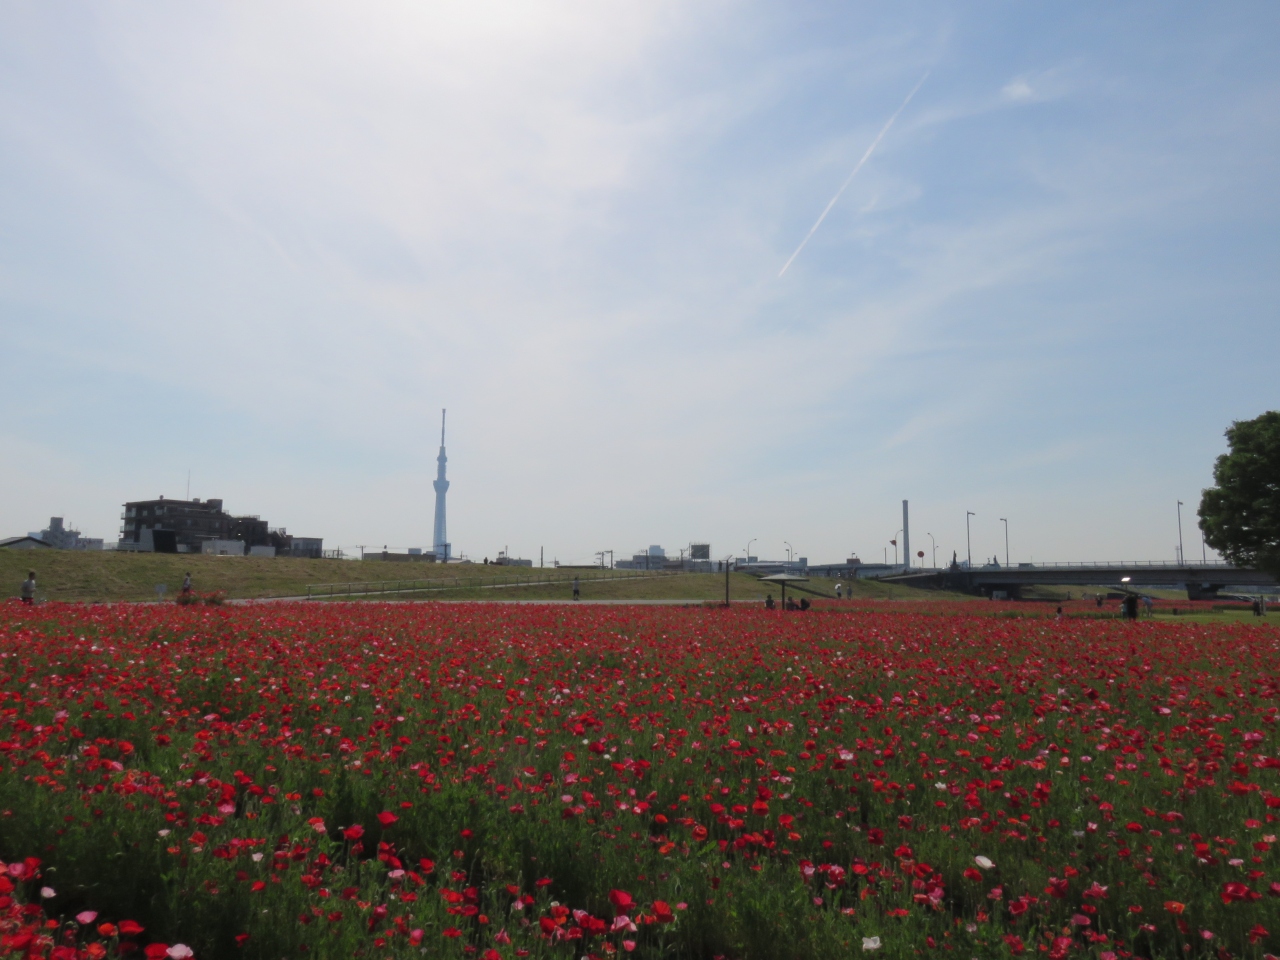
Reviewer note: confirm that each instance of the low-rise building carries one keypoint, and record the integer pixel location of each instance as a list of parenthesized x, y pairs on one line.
[(184, 526), (61, 537), (24, 543)]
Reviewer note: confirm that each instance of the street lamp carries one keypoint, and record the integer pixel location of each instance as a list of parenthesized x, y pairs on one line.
[(749, 543), (789, 551), (894, 541), (1006, 540), (1180, 554), (935, 550), (968, 543)]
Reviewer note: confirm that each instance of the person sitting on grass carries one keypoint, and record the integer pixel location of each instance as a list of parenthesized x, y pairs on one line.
[(768, 602), (29, 588)]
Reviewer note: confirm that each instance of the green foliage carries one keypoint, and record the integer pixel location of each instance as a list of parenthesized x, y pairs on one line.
[(1240, 516)]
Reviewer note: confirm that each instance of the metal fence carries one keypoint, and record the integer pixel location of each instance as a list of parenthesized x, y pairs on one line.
[(321, 591)]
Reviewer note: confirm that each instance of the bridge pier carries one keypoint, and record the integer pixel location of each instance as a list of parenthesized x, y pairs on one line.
[(1203, 591)]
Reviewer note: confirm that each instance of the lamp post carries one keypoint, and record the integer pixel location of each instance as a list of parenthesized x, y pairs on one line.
[(968, 543), (1006, 540), (894, 541), (789, 551), (935, 550), (749, 543), (1180, 553)]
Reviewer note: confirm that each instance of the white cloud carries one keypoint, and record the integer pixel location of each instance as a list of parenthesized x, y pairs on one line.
[(306, 230)]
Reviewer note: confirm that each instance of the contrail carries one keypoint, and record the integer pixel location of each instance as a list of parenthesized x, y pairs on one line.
[(865, 157)]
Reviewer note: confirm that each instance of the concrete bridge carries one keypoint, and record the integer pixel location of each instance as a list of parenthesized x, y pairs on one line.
[(1202, 581)]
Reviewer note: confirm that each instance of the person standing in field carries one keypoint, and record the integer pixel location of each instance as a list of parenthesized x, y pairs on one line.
[(186, 584), (29, 588), (837, 589), (575, 588)]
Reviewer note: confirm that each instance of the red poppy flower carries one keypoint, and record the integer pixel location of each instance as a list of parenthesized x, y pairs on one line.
[(354, 832), (621, 900), (387, 818)]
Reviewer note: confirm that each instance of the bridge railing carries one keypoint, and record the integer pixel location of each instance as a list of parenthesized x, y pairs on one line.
[(1115, 564)]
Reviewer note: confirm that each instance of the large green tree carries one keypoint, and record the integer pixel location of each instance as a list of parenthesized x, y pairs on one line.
[(1240, 516)]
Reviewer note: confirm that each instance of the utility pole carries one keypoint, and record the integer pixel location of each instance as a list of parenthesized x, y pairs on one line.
[(968, 543), (1180, 554), (726, 580), (906, 538), (1006, 540)]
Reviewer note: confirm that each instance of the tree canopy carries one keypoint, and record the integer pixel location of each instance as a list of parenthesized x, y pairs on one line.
[(1240, 516)]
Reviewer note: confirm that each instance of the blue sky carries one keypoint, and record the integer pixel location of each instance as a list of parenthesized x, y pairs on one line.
[(267, 242)]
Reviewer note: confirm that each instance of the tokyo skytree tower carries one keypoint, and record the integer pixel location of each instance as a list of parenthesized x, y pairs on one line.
[(440, 540)]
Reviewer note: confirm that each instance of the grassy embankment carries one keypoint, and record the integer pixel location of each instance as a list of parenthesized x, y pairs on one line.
[(75, 575), (72, 575)]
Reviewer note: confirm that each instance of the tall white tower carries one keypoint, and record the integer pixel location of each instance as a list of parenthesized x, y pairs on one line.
[(440, 540)]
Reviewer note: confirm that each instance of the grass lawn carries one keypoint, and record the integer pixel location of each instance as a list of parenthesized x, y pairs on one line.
[(690, 587), (111, 575)]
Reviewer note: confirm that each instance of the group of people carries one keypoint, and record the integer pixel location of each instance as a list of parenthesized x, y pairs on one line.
[(28, 591), (790, 604)]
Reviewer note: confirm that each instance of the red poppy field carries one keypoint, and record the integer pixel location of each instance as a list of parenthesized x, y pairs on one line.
[(360, 780)]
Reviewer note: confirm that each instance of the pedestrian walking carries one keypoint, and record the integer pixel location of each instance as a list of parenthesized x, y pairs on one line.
[(838, 585), (576, 594), (29, 588), (186, 584)]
